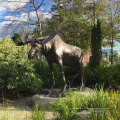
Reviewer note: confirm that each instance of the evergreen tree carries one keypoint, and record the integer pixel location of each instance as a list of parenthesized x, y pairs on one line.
[(96, 45), (16, 38), (93, 46), (99, 40)]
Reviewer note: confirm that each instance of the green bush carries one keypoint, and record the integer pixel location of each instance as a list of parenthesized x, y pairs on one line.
[(17, 73), (105, 74)]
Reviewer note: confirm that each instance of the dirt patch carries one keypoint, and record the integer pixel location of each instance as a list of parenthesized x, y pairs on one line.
[(20, 109), (16, 109), (21, 103)]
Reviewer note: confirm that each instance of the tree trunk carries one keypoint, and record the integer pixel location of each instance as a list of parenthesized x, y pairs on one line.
[(94, 11), (39, 21), (112, 39), (112, 50)]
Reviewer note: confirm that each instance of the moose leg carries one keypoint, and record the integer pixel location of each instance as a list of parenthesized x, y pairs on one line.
[(52, 74), (82, 76), (60, 64)]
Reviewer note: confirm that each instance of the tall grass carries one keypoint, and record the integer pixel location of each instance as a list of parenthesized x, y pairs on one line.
[(38, 114), (108, 102)]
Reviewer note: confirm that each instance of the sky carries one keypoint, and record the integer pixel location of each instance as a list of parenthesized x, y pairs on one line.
[(6, 7)]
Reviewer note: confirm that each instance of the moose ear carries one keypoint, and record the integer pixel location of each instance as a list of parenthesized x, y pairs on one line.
[(50, 37)]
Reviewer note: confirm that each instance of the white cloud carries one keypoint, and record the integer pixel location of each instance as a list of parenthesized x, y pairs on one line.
[(46, 15), (23, 17), (12, 18), (43, 16), (2, 24), (4, 5), (2, 8)]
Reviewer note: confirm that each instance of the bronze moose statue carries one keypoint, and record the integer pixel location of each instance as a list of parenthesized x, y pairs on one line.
[(57, 51)]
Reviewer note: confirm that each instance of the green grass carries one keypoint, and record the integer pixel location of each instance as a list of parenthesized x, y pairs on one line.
[(38, 114), (8, 112), (67, 108), (108, 101)]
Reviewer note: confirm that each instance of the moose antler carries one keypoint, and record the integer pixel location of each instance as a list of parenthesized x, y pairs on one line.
[(49, 38), (24, 36), (40, 40)]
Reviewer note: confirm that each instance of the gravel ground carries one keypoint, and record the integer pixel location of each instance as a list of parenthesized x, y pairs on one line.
[(16, 109), (19, 109)]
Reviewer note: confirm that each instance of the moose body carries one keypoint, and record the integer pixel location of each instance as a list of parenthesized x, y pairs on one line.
[(61, 53)]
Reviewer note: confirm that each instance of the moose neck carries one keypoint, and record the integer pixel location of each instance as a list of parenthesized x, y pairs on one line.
[(46, 48)]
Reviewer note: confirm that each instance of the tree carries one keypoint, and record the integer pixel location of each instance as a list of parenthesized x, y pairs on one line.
[(70, 22), (99, 41), (29, 11), (114, 22), (96, 45), (16, 38), (75, 18)]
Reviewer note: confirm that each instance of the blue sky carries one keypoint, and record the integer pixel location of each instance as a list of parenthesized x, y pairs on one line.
[(6, 7), (116, 46)]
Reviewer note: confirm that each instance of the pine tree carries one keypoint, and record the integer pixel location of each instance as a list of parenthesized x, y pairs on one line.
[(99, 54), (95, 45)]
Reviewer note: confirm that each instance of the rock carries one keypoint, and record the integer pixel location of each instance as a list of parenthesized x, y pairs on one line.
[(87, 114), (84, 115), (42, 99), (45, 97)]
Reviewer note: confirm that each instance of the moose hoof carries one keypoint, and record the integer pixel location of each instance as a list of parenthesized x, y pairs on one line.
[(63, 89), (48, 95), (82, 88), (46, 91), (50, 92), (62, 93)]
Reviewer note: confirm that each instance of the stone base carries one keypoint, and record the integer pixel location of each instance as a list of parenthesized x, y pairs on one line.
[(42, 99), (47, 97)]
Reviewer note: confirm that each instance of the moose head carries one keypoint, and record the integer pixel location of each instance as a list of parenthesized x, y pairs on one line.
[(36, 43)]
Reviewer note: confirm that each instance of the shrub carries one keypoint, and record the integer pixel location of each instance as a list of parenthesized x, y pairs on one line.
[(105, 74), (16, 71)]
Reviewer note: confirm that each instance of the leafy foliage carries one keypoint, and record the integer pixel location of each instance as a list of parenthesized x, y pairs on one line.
[(71, 23), (16, 38), (105, 74), (16, 71), (74, 19)]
